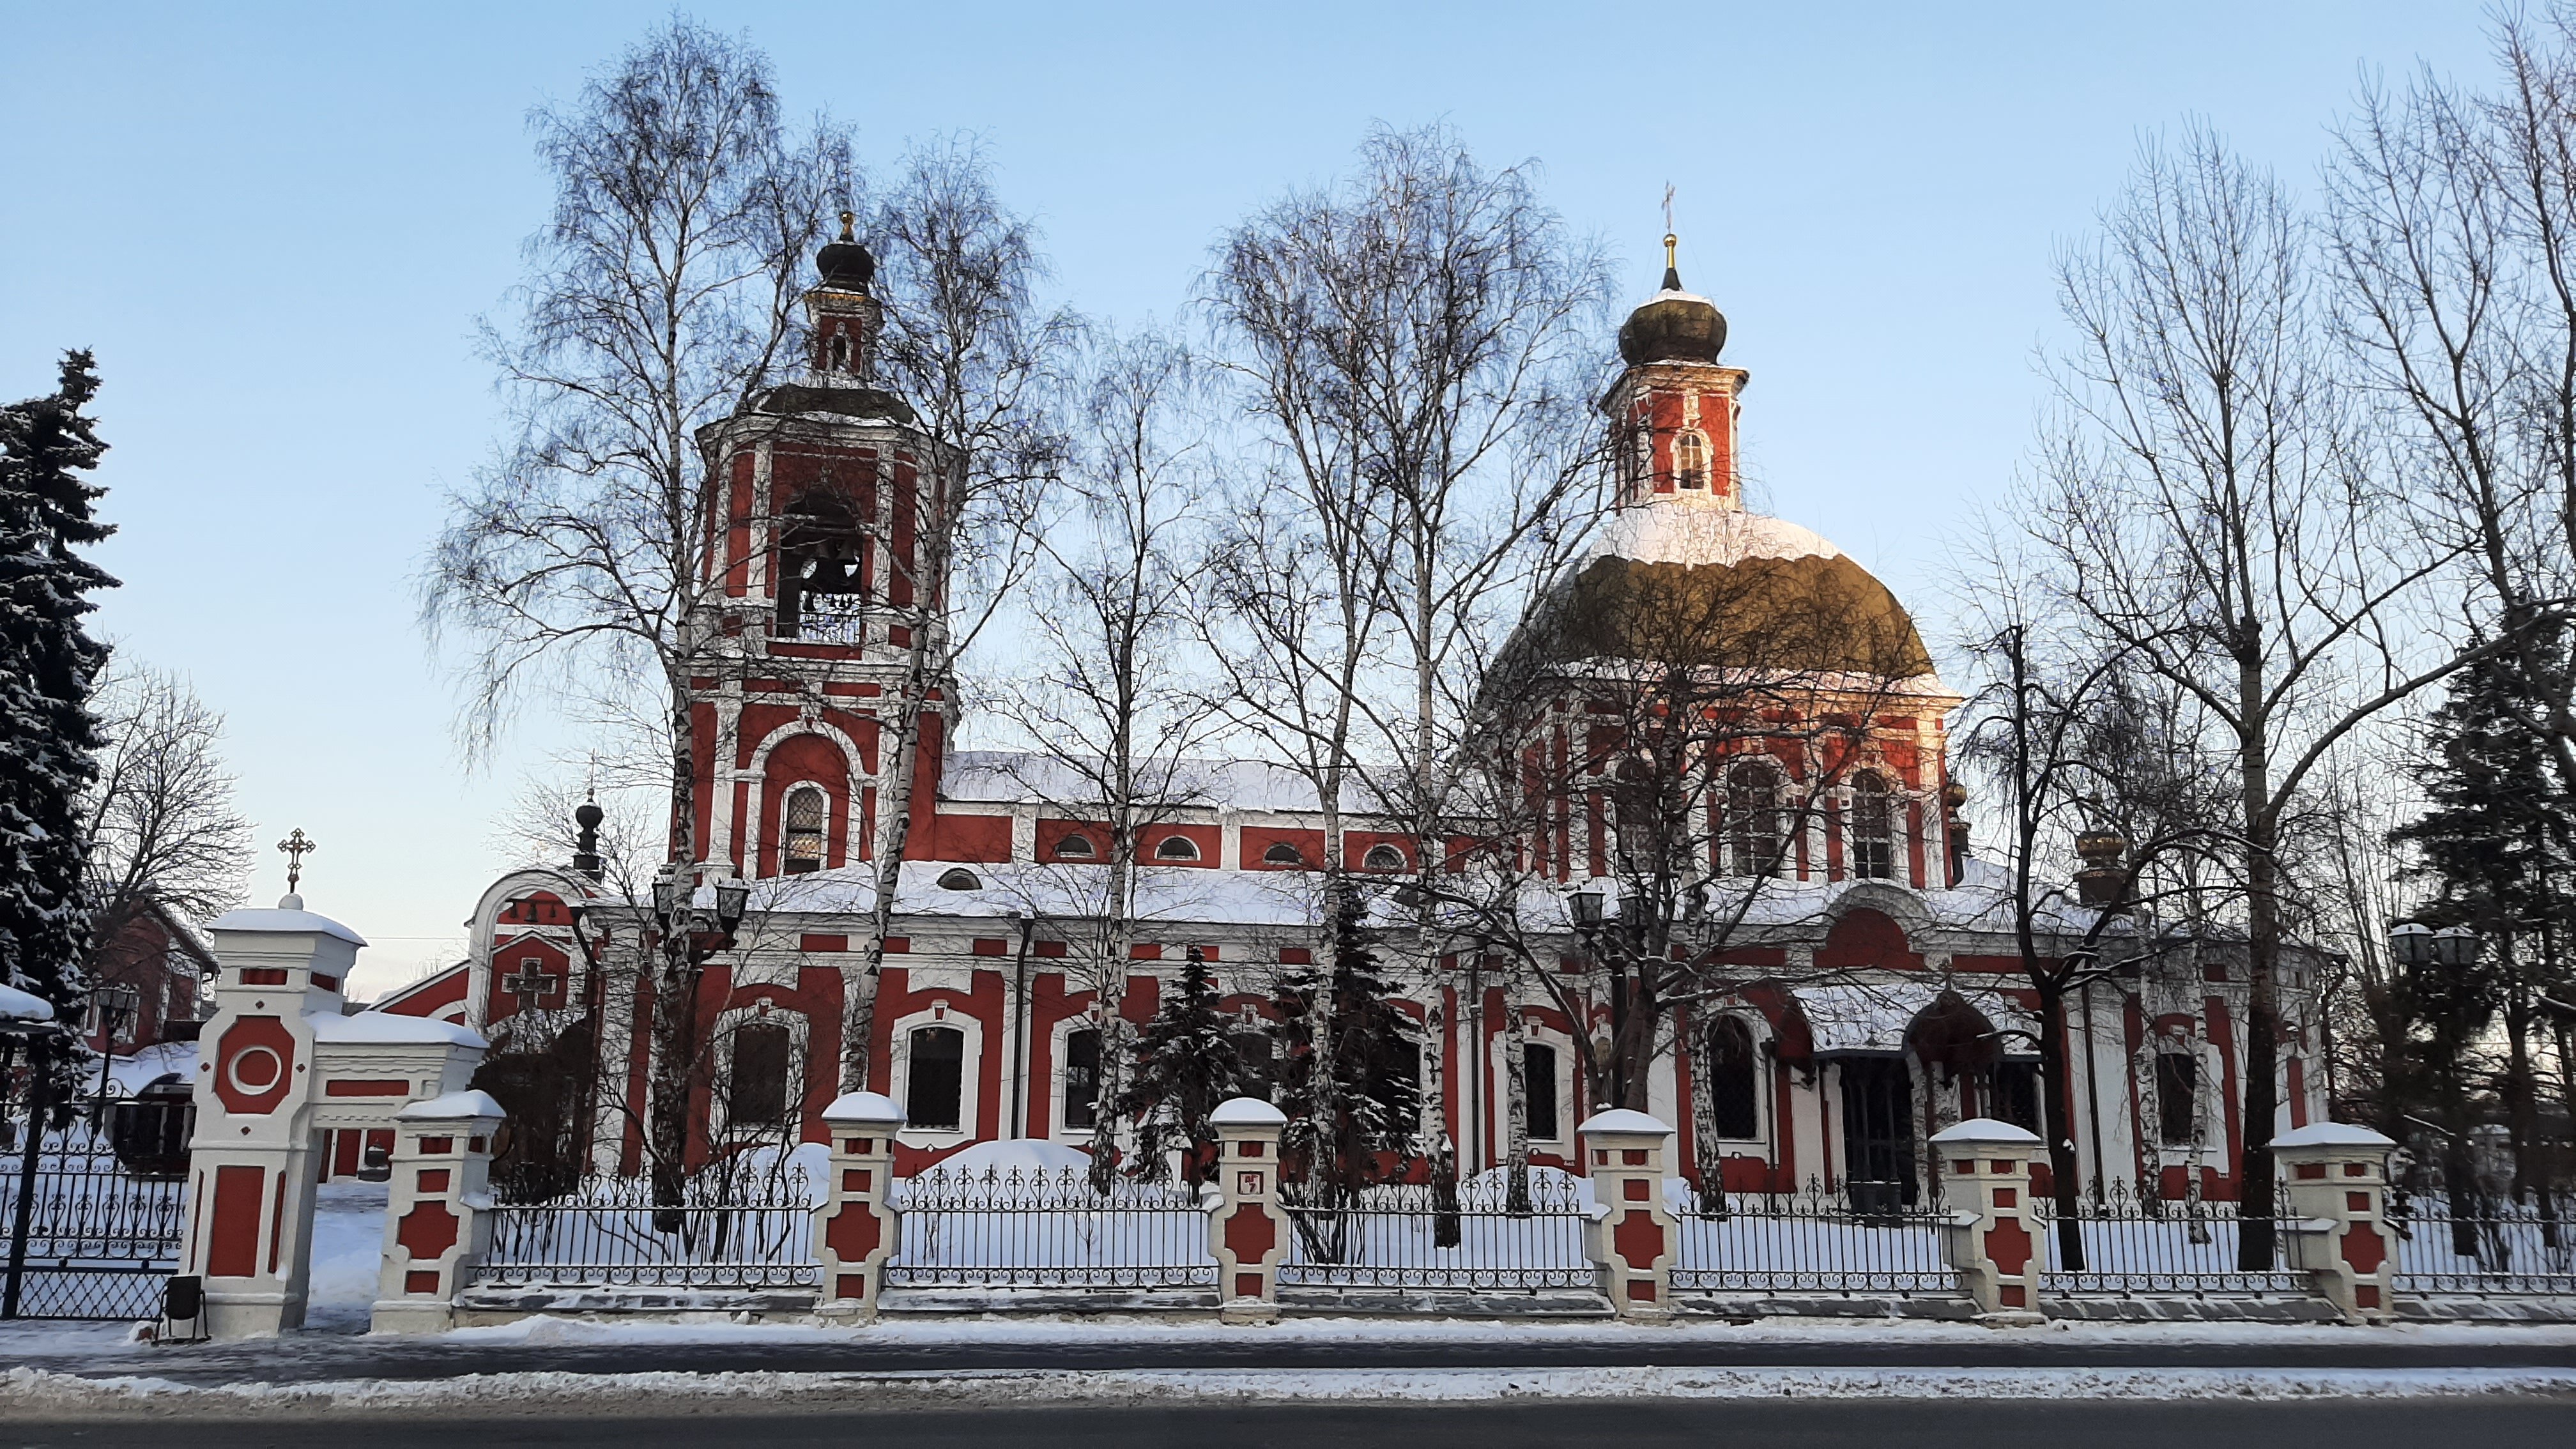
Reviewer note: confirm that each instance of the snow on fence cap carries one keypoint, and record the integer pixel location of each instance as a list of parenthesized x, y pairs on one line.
[(1246, 1112), (1620, 1119), (454, 1107), (17, 1005), (864, 1107), (282, 921), (2333, 1134), (1985, 1131)]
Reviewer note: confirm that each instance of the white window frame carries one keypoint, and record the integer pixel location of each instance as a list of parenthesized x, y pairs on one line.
[(970, 1085)]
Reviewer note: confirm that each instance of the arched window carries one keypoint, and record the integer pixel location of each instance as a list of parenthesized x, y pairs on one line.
[(1082, 1079), (1733, 1103), (1177, 847), (822, 588), (1538, 1093), (935, 1078), (802, 838), (1635, 799), (2177, 1091), (757, 1094), (1690, 459), (1873, 841), (960, 879), (1382, 857), (840, 351), (1752, 818), (1075, 847), (1252, 1048), (1282, 853)]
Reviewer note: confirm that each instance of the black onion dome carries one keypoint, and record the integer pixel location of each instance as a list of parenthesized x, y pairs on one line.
[(1673, 326), (846, 265)]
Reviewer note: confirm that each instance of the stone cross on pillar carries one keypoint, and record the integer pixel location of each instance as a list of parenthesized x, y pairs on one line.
[(856, 1228), (1633, 1237), (2336, 1178), (1994, 1236), (438, 1222), (1247, 1228)]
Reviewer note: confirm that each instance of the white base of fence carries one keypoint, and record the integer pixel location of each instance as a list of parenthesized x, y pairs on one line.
[(1443, 1302), (1747, 1308), (500, 1305), (899, 1301)]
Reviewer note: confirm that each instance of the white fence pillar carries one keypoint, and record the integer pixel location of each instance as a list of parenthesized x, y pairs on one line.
[(856, 1227), (438, 1222), (1633, 1237), (251, 1164), (1992, 1238), (2337, 1182), (1247, 1228)]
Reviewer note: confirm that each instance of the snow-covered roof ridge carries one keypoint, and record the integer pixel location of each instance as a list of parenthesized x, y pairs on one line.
[(1678, 530), (284, 922), (2333, 1134), (385, 1028)]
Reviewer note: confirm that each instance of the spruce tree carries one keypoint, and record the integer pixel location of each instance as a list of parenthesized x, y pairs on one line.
[(2497, 846), (1348, 1073), (48, 665), (1185, 1065)]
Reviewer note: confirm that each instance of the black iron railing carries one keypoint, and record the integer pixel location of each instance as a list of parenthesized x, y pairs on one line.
[(1047, 1228), (1401, 1236), (1840, 1241)]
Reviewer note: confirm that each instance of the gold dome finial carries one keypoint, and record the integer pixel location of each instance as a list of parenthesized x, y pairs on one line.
[(1671, 245), (847, 218)]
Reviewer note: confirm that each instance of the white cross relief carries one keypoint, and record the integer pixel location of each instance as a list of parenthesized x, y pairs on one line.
[(528, 983)]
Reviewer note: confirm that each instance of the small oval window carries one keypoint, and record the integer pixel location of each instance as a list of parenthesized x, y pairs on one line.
[(1177, 847), (1282, 853), (1075, 847), (960, 879), (1383, 857)]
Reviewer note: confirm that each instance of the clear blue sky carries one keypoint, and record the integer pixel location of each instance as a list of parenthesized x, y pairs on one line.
[(277, 224)]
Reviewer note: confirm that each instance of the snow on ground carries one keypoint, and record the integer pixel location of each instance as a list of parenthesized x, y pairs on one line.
[(348, 1254), (28, 1391)]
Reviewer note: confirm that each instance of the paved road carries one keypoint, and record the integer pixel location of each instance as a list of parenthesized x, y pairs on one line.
[(309, 1358), (2491, 1424)]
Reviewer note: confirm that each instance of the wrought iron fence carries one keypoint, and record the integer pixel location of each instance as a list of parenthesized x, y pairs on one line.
[(725, 1233), (1399, 1236), (1814, 1241), (104, 1202), (2136, 1241), (1047, 1228), (2489, 1244)]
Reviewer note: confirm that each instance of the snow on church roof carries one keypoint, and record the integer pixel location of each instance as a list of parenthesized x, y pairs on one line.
[(1022, 777), (1702, 531)]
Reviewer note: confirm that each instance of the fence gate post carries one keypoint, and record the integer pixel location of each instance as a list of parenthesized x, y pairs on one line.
[(2336, 1178), (1632, 1237), (1993, 1237), (856, 1228), (438, 1220), (250, 1173), (1247, 1228)]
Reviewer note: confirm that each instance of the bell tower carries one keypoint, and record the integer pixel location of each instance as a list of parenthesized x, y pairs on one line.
[(1675, 408), (826, 488)]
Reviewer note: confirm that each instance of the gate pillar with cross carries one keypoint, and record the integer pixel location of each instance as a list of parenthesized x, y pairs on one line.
[(282, 1059)]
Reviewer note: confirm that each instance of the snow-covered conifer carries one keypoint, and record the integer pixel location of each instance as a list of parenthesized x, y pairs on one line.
[(1185, 1065), (48, 665)]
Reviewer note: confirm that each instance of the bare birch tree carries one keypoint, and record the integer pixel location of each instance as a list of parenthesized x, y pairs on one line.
[(659, 297), (1109, 707), (968, 345), (2205, 509), (1420, 340)]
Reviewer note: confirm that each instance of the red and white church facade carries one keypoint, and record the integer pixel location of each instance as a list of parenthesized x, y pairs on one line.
[(1849, 1002)]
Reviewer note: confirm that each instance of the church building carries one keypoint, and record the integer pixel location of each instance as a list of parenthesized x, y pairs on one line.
[(1863, 982)]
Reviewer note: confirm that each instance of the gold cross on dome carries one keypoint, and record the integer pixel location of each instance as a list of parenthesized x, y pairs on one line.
[(296, 848)]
